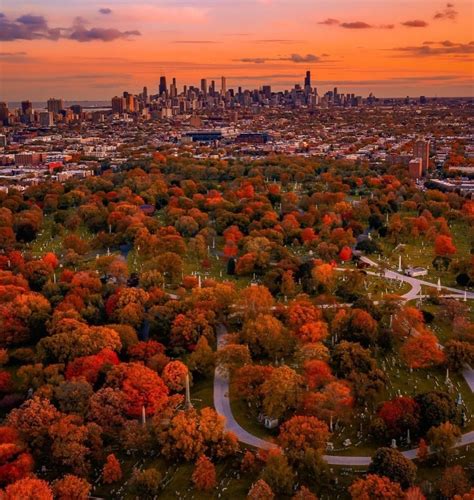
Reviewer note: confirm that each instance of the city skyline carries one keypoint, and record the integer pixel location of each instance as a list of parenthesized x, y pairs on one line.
[(91, 50)]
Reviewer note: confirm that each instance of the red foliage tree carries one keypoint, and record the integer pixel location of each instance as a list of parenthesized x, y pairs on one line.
[(444, 246), (399, 414), (89, 367), (317, 373)]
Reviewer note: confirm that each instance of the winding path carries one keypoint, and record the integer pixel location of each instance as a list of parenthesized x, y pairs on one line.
[(222, 400)]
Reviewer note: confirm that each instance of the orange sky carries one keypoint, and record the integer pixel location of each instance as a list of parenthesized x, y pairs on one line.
[(69, 49)]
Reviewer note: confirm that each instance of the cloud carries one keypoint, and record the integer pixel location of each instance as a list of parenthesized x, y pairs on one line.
[(32, 27), (276, 40), (102, 34), (26, 27), (449, 13), (356, 25), (434, 49), (12, 54), (192, 42), (295, 58), (415, 23), (329, 22), (105, 10)]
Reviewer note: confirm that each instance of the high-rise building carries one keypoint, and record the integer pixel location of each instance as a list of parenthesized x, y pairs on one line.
[(76, 109), (415, 168), (267, 91), (421, 150), (118, 104), (173, 88), (163, 89), (4, 113), (307, 80), (55, 105), (26, 107), (204, 86), (46, 118), (213, 88), (130, 103), (145, 95), (223, 85)]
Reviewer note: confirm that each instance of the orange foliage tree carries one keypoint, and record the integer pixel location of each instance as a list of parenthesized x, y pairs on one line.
[(204, 474), (141, 386), (71, 487), (373, 486), (174, 375), (422, 351), (29, 488), (111, 472), (299, 434)]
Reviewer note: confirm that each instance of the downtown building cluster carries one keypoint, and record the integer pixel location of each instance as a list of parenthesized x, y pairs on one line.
[(169, 101)]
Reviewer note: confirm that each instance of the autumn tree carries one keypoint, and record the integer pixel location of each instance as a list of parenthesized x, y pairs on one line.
[(458, 354), (444, 246), (374, 486), (255, 300), (435, 407), (282, 391), (278, 473), (146, 483), (187, 329), (141, 386), (174, 375), (265, 335), (112, 471), (202, 359), (442, 440), (29, 488), (204, 474), (301, 433), (304, 494), (260, 490), (399, 415), (391, 463), (107, 408), (233, 356), (248, 382), (15, 461), (317, 373), (192, 433), (422, 451), (454, 481), (71, 487), (422, 351), (33, 421)]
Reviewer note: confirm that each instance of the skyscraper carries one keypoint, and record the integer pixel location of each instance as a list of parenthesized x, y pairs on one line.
[(162, 88), (307, 80), (223, 85), (55, 105), (118, 104), (4, 113), (26, 107), (421, 149), (204, 86)]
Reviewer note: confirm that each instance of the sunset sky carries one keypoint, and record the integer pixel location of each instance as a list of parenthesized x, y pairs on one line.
[(85, 49)]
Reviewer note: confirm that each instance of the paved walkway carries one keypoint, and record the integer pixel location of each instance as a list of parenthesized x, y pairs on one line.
[(222, 406), (416, 283)]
